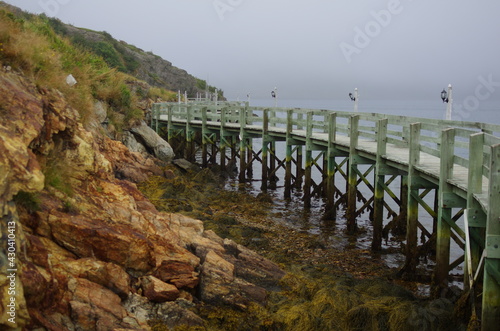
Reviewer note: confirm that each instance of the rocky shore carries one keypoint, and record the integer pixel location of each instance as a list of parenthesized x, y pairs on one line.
[(91, 252)]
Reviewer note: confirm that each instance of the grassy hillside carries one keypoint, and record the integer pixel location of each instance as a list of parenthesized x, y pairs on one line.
[(30, 45), (132, 60)]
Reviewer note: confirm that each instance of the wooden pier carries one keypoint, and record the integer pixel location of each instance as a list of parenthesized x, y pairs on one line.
[(457, 161)]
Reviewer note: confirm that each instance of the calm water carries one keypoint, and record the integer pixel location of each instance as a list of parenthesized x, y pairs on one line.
[(487, 111)]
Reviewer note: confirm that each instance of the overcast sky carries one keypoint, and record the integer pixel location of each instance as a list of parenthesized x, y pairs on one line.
[(314, 49)]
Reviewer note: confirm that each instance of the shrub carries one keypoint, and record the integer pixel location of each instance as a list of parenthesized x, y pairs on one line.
[(156, 93), (29, 200), (57, 175)]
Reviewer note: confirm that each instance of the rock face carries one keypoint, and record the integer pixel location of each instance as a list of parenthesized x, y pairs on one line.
[(91, 252)]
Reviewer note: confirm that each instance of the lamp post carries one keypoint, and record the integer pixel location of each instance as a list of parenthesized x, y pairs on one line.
[(354, 97), (447, 98), (274, 94)]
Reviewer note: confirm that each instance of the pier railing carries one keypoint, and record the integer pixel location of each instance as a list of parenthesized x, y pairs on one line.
[(232, 114), (458, 159)]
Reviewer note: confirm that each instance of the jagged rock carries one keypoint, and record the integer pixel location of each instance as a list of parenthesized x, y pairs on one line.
[(108, 275), (21, 118), (157, 291), (100, 112), (132, 144), (128, 165), (95, 308), (154, 142), (171, 314), (94, 238), (179, 273), (185, 165), (254, 268), (217, 276)]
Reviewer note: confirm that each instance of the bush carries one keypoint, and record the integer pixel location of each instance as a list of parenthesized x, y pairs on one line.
[(156, 93), (28, 200), (57, 175)]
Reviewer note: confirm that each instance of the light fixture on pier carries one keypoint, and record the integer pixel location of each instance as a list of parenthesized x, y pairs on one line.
[(354, 97), (447, 97), (444, 96)]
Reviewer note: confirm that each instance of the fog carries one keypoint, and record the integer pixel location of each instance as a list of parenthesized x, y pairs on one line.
[(317, 49)]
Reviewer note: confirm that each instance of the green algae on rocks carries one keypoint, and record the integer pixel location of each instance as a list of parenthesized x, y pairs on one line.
[(319, 292)]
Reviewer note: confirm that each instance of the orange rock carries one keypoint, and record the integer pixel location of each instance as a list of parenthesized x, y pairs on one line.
[(179, 273), (157, 291), (115, 243)]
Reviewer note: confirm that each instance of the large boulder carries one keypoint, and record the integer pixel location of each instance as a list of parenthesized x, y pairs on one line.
[(154, 142)]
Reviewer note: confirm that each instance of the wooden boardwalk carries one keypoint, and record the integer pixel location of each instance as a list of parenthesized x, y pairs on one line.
[(459, 161)]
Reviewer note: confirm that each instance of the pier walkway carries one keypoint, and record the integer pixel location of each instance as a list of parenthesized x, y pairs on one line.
[(457, 161)]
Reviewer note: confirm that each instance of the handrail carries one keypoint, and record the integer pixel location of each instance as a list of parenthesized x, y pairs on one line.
[(464, 135)]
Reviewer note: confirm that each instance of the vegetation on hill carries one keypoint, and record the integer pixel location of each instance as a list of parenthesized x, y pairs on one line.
[(132, 60), (29, 44)]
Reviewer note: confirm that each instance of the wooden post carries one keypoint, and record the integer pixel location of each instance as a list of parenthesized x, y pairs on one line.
[(249, 158), (204, 140), (153, 112), (170, 128), (213, 157), (265, 128), (235, 147), (299, 173), (440, 279), (246, 117), (309, 161), (475, 215), (288, 164), (324, 174), (403, 209), (299, 170), (352, 180), (330, 175), (413, 193), (491, 282), (378, 202), (272, 165), (222, 143), (243, 145), (189, 135)]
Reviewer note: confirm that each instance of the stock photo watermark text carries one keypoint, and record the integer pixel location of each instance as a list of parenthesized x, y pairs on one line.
[(483, 91), (222, 7), (11, 272), (363, 36), (52, 7)]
